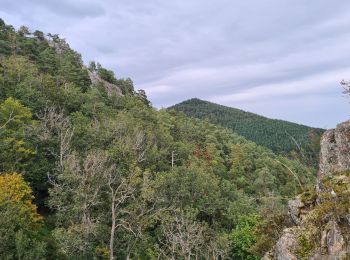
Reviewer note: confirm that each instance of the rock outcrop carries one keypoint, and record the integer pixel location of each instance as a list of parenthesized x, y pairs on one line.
[(110, 88), (335, 150), (294, 207), (286, 246), (332, 240), (322, 225)]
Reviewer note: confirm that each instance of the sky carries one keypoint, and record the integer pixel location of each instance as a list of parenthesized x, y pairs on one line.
[(282, 59)]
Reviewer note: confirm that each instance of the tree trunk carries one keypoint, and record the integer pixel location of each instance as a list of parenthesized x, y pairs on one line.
[(111, 241)]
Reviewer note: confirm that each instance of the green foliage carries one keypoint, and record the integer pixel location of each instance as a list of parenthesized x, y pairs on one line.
[(243, 237), (105, 74), (19, 220), (268, 230), (7, 35), (29, 247), (280, 136), (15, 121), (13, 115), (309, 197), (307, 241)]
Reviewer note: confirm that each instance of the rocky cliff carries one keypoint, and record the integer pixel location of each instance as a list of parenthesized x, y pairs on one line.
[(322, 215), (110, 88)]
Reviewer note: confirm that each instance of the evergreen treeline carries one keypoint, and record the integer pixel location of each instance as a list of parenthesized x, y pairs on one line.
[(280, 136), (87, 174)]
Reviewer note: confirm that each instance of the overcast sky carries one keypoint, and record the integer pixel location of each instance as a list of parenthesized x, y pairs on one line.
[(279, 58)]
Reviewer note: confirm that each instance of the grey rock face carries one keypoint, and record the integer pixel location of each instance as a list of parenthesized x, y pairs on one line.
[(111, 88), (286, 245), (294, 207), (335, 150), (332, 239), (348, 218)]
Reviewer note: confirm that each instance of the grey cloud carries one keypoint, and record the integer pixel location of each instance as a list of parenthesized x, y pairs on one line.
[(180, 49)]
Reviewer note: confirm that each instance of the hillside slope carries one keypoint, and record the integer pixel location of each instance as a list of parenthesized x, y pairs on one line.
[(278, 135), (114, 178)]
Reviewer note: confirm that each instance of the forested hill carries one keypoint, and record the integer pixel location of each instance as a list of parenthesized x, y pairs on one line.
[(278, 135), (89, 170)]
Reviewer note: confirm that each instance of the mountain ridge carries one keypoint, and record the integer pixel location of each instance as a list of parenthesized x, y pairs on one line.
[(279, 135), (245, 111)]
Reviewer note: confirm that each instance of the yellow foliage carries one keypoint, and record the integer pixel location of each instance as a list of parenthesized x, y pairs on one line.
[(17, 146), (14, 113), (102, 252), (15, 191)]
